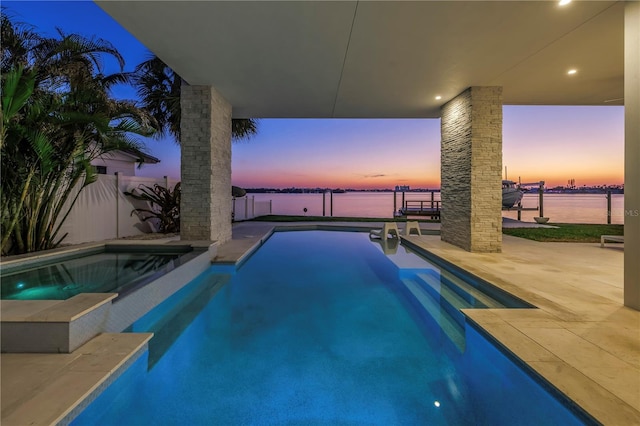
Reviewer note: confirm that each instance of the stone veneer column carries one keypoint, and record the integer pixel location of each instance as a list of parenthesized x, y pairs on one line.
[(632, 154), (471, 170), (205, 207)]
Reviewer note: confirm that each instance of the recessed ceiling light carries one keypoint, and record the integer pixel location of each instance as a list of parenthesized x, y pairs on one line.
[(564, 2), (438, 97), (571, 72)]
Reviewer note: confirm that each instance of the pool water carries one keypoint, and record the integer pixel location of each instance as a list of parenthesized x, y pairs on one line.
[(93, 271), (319, 328)]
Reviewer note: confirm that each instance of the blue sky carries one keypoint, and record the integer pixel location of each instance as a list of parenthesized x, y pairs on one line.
[(539, 143)]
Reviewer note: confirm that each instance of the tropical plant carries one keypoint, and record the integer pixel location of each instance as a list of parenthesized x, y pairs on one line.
[(57, 115), (159, 88), (165, 205)]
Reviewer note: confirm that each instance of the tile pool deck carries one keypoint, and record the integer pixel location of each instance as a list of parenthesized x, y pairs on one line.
[(581, 339)]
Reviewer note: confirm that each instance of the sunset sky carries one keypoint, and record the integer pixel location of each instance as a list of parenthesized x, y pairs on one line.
[(554, 144)]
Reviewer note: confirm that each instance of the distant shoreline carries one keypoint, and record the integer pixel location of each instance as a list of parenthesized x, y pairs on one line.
[(584, 190)]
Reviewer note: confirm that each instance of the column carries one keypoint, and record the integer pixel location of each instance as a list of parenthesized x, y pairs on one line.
[(205, 206), (471, 170), (632, 154)]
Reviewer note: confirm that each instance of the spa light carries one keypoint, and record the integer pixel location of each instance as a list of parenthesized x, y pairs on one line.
[(572, 71), (438, 97), (564, 2)]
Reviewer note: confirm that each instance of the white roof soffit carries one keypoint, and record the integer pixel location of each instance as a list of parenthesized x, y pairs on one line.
[(383, 59)]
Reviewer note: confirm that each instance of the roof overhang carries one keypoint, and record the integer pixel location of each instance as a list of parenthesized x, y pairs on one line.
[(384, 59), (138, 156)]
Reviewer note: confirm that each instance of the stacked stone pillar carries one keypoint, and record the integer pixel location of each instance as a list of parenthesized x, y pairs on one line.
[(471, 170), (205, 207)]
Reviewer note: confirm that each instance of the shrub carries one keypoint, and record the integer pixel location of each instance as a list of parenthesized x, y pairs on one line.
[(165, 205)]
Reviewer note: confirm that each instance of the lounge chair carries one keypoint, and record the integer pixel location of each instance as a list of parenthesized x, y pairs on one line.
[(412, 226), (612, 238), (389, 228)]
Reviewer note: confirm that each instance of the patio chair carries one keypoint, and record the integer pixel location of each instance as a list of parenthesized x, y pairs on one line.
[(389, 228), (412, 226)]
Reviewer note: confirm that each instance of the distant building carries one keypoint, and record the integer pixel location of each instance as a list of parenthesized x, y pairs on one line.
[(123, 161), (402, 188)]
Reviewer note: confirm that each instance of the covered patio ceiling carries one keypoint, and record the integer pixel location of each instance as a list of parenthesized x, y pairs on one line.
[(384, 59)]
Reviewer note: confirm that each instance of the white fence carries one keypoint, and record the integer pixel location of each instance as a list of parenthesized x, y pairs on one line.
[(103, 212), (246, 207)]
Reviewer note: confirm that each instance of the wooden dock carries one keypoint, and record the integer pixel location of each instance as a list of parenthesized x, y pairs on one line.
[(429, 208), (432, 208), (518, 208)]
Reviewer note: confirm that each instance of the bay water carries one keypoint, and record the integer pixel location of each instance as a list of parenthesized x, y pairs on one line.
[(560, 208)]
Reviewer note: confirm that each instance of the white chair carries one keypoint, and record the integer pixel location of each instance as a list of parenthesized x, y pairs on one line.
[(614, 238), (389, 228), (412, 226)]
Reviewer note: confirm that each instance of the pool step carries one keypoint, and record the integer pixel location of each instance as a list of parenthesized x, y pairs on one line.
[(442, 292), (438, 309), (475, 297), (46, 326)]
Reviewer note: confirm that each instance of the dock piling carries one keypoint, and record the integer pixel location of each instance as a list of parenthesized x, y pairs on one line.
[(395, 203), (331, 203), (324, 208)]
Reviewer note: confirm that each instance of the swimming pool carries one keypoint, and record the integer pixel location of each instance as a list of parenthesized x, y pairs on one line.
[(107, 269), (320, 328)]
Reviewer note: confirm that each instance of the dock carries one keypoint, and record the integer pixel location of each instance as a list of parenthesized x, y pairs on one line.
[(429, 208), (432, 209), (518, 208)]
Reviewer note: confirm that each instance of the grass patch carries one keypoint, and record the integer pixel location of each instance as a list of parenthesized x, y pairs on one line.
[(283, 218), (566, 232)]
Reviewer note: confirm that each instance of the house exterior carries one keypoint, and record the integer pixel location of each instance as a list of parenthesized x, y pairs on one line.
[(124, 162)]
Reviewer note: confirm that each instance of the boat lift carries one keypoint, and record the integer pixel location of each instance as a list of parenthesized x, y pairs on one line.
[(519, 208)]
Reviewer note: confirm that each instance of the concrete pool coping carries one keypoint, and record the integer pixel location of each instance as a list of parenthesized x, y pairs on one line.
[(582, 339), (49, 389)]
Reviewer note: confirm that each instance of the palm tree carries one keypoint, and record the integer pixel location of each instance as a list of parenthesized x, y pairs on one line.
[(57, 115), (158, 87)]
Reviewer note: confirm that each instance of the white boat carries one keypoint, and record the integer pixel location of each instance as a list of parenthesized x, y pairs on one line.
[(511, 194)]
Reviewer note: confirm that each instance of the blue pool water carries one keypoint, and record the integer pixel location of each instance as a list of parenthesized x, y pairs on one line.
[(318, 328)]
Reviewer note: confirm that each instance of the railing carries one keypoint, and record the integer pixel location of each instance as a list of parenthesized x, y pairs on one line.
[(421, 208)]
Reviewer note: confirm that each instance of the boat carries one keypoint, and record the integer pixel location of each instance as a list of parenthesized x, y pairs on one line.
[(511, 194)]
